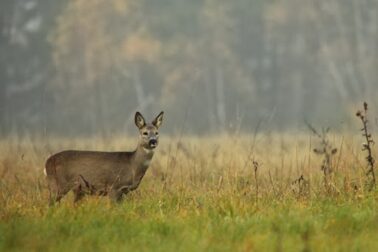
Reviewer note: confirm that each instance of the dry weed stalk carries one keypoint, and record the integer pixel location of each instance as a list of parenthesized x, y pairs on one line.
[(327, 151), (301, 187), (367, 146), (256, 166)]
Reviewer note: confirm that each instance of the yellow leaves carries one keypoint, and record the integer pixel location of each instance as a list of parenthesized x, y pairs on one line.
[(83, 47), (91, 37), (140, 48)]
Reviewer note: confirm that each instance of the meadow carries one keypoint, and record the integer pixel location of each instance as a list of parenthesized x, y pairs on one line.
[(235, 192)]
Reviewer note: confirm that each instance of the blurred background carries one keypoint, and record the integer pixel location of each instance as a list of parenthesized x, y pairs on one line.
[(78, 67)]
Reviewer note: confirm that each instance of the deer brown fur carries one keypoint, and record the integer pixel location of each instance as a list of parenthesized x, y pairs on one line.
[(103, 173)]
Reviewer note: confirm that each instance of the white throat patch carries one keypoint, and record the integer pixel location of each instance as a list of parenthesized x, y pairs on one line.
[(148, 151)]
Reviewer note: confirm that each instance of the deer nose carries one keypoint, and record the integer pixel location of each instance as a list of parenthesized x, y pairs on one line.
[(153, 143)]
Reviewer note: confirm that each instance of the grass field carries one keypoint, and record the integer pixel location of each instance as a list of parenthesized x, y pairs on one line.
[(200, 194)]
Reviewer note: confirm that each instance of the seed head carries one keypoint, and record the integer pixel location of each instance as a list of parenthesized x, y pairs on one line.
[(334, 151)]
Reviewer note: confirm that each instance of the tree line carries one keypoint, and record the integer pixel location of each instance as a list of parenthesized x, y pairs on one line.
[(75, 67)]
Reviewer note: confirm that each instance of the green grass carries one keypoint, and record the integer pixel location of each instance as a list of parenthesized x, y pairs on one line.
[(175, 222), (206, 203)]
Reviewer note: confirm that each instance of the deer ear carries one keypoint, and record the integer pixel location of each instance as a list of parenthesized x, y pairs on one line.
[(158, 120), (139, 120)]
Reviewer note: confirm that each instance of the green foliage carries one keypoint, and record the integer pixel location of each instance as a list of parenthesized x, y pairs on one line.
[(144, 224)]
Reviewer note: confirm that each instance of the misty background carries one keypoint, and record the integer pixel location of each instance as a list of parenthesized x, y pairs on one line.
[(78, 67)]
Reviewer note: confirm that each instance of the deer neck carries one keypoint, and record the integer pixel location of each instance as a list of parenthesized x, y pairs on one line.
[(142, 160)]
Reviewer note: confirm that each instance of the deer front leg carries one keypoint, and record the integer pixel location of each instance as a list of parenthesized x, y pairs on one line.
[(82, 187), (78, 193), (116, 194)]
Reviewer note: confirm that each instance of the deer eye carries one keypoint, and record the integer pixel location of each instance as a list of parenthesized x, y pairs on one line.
[(157, 133), (145, 133)]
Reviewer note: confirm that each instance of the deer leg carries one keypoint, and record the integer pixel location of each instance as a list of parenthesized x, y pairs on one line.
[(55, 194), (52, 199), (78, 193), (55, 197), (116, 195), (81, 188)]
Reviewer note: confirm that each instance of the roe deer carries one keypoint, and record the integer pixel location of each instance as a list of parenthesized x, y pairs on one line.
[(103, 173)]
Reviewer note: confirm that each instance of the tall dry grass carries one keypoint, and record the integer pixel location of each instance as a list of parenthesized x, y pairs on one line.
[(287, 165)]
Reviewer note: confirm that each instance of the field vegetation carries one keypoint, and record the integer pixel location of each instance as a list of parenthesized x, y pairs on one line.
[(235, 192)]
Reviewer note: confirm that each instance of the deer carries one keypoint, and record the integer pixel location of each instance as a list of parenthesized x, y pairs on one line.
[(112, 174)]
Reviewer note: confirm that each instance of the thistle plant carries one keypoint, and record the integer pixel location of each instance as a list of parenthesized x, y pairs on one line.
[(327, 151), (367, 146)]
